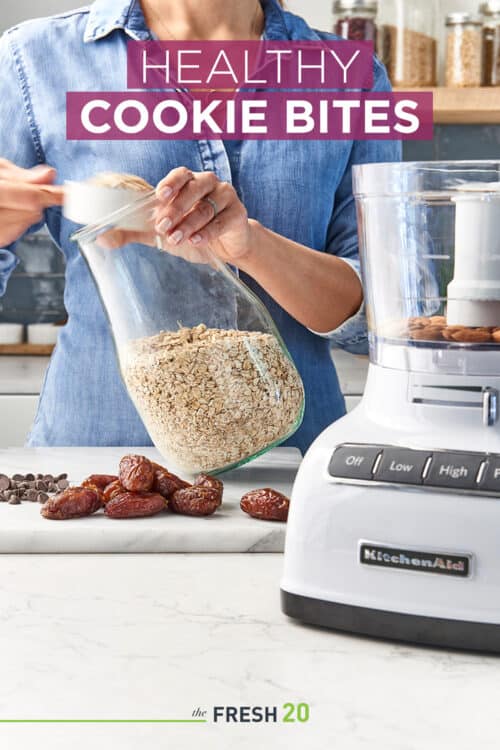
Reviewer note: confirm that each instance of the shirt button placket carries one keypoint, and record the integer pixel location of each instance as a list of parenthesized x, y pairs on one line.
[(214, 158)]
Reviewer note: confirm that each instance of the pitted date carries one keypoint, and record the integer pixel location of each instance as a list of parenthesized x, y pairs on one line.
[(101, 481), (165, 483), (206, 480), (266, 504), (195, 501), (135, 505), (112, 490), (137, 473), (75, 502)]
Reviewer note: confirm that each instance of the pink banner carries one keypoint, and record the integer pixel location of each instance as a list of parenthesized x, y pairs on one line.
[(257, 65), (249, 116)]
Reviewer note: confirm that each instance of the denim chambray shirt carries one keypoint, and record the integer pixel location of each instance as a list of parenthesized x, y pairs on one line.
[(301, 190)]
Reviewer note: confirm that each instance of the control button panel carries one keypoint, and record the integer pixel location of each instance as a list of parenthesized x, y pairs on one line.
[(354, 461), (454, 470), (476, 473), (402, 466)]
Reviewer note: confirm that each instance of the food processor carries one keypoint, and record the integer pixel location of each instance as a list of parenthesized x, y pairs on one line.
[(394, 527)]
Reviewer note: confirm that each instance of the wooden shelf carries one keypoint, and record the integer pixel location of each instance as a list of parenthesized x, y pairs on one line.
[(467, 106), (33, 350)]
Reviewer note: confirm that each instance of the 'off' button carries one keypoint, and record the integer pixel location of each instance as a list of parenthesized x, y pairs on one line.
[(354, 461), (457, 470)]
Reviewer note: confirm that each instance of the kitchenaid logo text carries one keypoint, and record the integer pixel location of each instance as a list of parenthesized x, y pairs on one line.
[(271, 90), (425, 562)]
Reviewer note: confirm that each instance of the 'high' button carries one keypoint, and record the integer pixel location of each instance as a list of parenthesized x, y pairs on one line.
[(402, 465), (457, 470), (354, 461)]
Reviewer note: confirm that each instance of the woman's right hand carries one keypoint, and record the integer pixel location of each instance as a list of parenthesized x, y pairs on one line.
[(24, 195)]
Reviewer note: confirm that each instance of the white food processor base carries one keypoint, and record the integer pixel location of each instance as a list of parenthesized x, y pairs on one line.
[(394, 527)]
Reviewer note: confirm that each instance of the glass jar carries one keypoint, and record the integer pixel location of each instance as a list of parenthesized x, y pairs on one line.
[(464, 50), (355, 20), (408, 42), (430, 247), (199, 353), (491, 42)]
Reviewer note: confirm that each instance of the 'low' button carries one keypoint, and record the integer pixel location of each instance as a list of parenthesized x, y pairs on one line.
[(402, 465), (491, 476), (354, 461), (457, 470)]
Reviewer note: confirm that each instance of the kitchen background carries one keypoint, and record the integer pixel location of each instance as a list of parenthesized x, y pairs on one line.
[(467, 127)]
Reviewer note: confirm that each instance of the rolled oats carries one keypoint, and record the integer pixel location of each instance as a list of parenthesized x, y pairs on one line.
[(211, 397)]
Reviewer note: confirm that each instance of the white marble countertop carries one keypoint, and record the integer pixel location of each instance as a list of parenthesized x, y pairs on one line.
[(156, 636), (149, 637), (24, 375)]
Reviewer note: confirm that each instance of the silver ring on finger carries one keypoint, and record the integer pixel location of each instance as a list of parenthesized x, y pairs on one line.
[(213, 204)]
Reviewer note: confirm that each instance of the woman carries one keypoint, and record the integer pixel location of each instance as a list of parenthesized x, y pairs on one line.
[(285, 210)]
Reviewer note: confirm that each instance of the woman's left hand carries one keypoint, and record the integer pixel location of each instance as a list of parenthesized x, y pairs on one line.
[(198, 209)]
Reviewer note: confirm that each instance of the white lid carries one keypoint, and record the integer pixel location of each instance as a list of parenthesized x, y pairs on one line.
[(457, 19)]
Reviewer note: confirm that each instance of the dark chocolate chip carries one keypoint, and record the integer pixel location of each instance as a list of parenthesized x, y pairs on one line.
[(61, 476), (63, 484), (48, 478), (18, 478), (39, 476), (30, 477), (52, 488), (13, 500), (4, 482), (31, 495), (40, 485), (42, 497)]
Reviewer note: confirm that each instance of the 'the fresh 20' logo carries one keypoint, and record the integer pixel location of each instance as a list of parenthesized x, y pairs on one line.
[(290, 713)]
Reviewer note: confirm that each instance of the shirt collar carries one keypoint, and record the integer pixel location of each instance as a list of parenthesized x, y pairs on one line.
[(108, 15)]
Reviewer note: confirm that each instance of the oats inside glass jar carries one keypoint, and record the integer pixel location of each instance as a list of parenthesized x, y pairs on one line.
[(211, 398)]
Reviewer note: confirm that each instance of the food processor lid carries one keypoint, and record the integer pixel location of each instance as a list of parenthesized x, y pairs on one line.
[(477, 191), (425, 180), (479, 187)]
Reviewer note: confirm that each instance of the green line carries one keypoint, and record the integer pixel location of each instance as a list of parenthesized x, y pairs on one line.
[(103, 721)]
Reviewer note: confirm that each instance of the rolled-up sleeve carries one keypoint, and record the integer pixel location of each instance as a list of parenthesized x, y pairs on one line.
[(342, 236), (18, 134)]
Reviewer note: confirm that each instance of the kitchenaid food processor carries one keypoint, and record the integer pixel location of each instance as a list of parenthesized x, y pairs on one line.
[(394, 529)]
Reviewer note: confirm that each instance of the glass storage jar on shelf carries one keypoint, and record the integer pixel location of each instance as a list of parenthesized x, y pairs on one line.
[(464, 50), (491, 42), (408, 42), (355, 20), (199, 353)]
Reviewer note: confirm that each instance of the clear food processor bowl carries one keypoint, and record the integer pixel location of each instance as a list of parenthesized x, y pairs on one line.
[(199, 354), (430, 247)]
